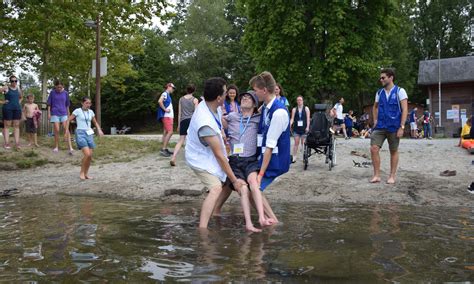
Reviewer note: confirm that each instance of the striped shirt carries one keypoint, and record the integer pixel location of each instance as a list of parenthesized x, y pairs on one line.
[(245, 132)]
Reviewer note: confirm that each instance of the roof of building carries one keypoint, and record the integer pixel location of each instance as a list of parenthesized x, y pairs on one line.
[(453, 70)]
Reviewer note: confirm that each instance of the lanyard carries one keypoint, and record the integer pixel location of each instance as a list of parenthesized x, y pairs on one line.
[(217, 120), (266, 115), (242, 128), (88, 117), (300, 113)]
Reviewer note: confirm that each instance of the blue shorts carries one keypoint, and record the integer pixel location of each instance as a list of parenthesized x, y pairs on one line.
[(83, 140), (11, 114), (58, 118)]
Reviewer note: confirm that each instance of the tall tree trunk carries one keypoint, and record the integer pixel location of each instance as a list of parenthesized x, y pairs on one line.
[(44, 74)]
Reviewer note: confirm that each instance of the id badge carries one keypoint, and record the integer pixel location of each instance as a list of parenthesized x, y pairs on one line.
[(300, 123), (90, 131), (238, 148), (259, 140)]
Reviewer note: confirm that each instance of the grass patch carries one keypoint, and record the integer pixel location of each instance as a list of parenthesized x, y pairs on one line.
[(31, 154)]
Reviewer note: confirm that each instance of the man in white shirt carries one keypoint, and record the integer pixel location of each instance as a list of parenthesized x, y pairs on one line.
[(336, 112), (390, 113), (166, 114)]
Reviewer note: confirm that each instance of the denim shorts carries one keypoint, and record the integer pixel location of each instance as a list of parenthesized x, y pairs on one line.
[(58, 118), (83, 140)]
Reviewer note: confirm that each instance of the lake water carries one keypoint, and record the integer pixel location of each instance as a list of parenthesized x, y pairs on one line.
[(73, 239)]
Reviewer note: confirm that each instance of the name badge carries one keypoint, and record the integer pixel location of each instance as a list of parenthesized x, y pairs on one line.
[(238, 148), (90, 131), (259, 140), (275, 150), (300, 123)]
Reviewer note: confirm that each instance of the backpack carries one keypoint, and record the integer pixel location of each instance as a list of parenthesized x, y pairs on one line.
[(319, 129)]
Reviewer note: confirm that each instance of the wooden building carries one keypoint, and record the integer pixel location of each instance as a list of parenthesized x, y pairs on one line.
[(457, 91)]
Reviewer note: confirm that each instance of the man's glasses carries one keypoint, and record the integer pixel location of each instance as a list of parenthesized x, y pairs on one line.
[(247, 97), (13, 81), (383, 78)]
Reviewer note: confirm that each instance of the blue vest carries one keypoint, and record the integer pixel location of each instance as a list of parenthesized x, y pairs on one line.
[(227, 107), (390, 114), (280, 162), (160, 113)]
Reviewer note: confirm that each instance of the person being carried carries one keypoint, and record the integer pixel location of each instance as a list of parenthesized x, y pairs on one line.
[(31, 112), (205, 150), (242, 133), (390, 113)]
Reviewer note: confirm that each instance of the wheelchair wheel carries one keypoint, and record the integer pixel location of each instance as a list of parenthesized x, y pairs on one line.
[(305, 156)]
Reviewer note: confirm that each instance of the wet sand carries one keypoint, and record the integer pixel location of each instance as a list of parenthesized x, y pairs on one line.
[(151, 177)]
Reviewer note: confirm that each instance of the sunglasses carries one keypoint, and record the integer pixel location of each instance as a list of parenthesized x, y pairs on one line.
[(13, 81)]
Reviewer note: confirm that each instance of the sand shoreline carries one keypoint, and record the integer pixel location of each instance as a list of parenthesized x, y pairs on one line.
[(151, 177)]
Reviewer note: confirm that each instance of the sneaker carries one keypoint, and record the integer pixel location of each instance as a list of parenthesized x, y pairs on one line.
[(7, 146), (168, 151), (470, 188), (55, 150), (164, 153)]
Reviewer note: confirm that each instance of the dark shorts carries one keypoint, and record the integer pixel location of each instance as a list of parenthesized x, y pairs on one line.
[(243, 166), (30, 125), (378, 136), (11, 114), (338, 121), (299, 132), (183, 126)]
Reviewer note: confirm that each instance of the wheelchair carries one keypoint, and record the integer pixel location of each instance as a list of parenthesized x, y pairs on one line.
[(320, 139)]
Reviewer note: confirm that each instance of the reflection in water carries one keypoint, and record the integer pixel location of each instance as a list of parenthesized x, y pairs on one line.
[(72, 239)]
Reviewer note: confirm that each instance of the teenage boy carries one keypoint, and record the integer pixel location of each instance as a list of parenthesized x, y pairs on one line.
[(166, 115)]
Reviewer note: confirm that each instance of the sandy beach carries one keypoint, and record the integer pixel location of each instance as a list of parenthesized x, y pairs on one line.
[(151, 177)]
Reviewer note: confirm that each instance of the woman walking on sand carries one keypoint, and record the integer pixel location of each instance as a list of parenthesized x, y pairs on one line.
[(85, 134), (187, 104), (12, 112)]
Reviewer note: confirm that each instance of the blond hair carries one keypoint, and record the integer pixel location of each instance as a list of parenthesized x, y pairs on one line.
[(264, 80)]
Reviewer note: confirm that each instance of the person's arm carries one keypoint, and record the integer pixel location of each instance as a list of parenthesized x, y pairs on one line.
[(21, 95), (161, 104), (179, 114), (69, 119), (293, 112), (99, 130), (307, 119), (225, 123), (375, 113), (215, 145), (196, 102), (404, 106)]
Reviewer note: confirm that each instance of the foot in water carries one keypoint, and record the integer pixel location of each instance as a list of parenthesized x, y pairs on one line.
[(375, 179), (267, 222), (252, 229)]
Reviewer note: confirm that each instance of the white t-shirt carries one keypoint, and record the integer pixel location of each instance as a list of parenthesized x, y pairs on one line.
[(402, 94), (83, 118), (338, 108), (170, 107), (278, 125)]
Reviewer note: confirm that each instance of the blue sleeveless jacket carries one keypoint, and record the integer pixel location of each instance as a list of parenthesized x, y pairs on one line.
[(227, 107), (280, 162), (390, 113), (160, 113)]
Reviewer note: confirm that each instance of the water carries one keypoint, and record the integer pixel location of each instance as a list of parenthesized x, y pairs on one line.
[(72, 239)]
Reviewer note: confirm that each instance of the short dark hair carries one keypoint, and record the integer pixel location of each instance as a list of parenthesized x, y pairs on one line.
[(190, 88), (85, 98), (390, 72), (213, 88), (57, 82), (12, 76)]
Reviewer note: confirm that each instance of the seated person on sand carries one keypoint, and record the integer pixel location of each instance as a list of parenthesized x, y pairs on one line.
[(242, 131), (365, 133), (467, 136)]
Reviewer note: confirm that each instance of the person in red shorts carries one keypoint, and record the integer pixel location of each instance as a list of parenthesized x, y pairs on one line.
[(165, 114)]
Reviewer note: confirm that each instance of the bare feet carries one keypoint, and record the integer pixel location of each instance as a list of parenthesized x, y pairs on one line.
[(28, 145), (172, 163), (89, 177), (82, 177), (252, 229), (37, 145), (391, 180), (267, 222), (375, 179)]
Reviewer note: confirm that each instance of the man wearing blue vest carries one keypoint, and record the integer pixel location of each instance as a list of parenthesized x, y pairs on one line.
[(390, 113), (274, 131), (165, 114)]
